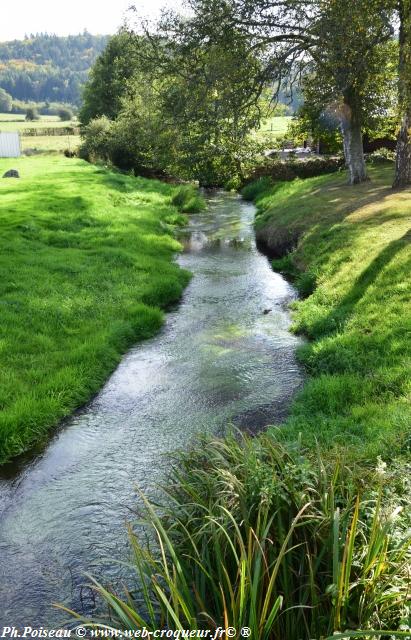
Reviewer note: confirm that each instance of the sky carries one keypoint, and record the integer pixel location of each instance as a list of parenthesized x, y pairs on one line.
[(20, 17)]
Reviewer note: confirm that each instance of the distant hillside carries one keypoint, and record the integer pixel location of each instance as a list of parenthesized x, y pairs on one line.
[(48, 67)]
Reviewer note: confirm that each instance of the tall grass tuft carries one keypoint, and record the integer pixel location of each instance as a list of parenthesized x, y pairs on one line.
[(253, 534), (188, 199)]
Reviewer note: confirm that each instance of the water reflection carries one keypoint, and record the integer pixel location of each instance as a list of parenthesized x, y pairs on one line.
[(220, 358)]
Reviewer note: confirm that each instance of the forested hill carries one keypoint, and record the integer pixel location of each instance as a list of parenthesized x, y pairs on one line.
[(46, 67)]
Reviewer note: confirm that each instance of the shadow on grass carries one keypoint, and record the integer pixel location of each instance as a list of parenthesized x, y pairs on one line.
[(338, 317)]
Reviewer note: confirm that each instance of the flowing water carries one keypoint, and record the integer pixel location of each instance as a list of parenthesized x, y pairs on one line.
[(225, 355)]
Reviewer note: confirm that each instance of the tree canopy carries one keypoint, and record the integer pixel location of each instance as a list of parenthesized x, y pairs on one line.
[(46, 67), (207, 74)]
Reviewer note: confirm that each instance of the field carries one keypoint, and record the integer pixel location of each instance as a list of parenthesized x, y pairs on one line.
[(15, 122), (86, 262), (272, 128), (49, 143), (350, 256)]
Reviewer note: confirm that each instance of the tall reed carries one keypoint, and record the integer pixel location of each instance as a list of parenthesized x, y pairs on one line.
[(256, 535)]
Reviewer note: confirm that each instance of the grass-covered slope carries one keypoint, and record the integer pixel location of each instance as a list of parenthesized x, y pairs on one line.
[(349, 250), (86, 263)]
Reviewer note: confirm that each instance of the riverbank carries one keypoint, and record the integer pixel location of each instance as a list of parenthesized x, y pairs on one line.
[(217, 358), (347, 250), (87, 265), (290, 540)]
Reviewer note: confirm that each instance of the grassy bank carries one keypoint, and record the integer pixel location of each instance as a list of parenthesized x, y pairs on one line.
[(86, 265), (271, 533), (348, 250), (269, 538)]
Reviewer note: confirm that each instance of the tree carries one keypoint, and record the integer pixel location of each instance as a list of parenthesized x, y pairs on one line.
[(403, 157), (5, 101), (336, 38), (347, 61), (108, 80), (323, 111), (65, 114), (48, 67), (184, 111), (210, 103), (31, 114)]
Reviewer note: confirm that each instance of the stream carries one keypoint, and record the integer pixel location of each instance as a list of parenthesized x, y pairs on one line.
[(225, 355)]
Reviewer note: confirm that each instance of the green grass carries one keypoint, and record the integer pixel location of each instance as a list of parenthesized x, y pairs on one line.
[(349, 251), (272, 128), (86, 264), (275, 533), (17, 122), (253, 534), (46, 144)]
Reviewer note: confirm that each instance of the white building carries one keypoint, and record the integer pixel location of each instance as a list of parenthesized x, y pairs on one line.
[(9, 145)]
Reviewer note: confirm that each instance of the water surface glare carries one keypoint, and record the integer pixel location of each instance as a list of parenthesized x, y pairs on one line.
[(225, 355)]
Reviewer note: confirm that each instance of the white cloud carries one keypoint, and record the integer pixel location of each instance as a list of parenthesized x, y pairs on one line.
[(20, 17)]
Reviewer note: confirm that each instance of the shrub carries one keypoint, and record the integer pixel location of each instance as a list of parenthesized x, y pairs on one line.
[(256, 535), (288, 170), (381, 156), (32, 114), (96, 140), (65, 114)]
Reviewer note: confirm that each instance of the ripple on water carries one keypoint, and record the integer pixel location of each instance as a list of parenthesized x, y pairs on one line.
[(219, 359)]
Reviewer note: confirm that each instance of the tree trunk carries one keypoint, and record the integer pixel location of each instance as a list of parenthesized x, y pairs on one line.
[(403, 158), (352, 142)]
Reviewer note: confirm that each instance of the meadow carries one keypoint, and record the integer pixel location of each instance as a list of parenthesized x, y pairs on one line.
[(44, 143), (49, 144), (86, 267), (348, 250), (18, 122), (272, 128)]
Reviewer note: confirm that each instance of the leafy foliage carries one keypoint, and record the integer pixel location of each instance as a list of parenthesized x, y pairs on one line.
[(48, 67), (278, 170), (107, 83), (319, 117), (253, 534), (5, 101), (31, 114), (189, 116), (65, 114)]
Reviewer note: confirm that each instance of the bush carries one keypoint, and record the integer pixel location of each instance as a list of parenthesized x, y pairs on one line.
[(256, 535), (32, 114), (44, 108), (65, 114), (102, 141), (381, 156), (284, 171), (96, 140)]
